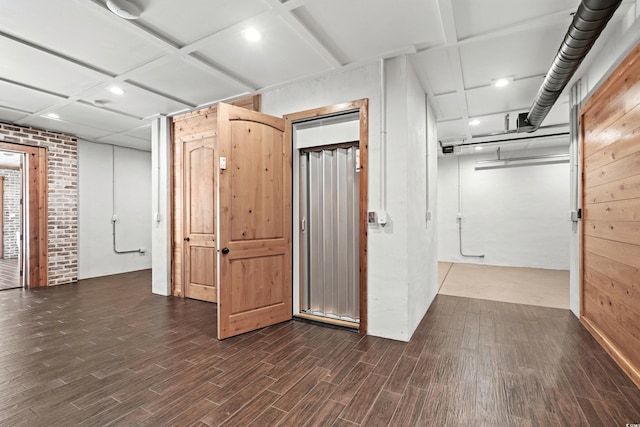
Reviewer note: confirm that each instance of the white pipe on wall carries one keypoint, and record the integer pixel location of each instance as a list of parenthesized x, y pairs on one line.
[(460, 218), (114, 217), (382, 215)]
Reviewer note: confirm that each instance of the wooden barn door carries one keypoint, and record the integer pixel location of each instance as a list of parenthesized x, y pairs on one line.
[(610, 293), (255, 221), (200, 219)]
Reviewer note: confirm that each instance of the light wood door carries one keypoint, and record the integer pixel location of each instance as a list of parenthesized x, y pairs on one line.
[(199, 162), (255, 221)]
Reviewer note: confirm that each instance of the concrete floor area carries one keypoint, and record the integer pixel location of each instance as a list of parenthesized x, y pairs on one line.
[(545, 288)]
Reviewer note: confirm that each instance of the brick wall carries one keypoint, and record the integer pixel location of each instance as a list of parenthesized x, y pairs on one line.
[(62, 163), (12, 183)]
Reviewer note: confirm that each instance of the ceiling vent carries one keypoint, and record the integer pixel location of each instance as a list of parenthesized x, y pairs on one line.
[(124, 9), (588, 22)]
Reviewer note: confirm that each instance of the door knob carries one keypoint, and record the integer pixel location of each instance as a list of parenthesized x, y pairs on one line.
[(186, 239), (225, 251)]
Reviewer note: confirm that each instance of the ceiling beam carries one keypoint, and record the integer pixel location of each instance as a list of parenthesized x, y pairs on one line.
[(453, 53), (305, 33)]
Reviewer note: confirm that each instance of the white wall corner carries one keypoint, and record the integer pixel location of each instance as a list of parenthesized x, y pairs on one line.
[(160, 206)]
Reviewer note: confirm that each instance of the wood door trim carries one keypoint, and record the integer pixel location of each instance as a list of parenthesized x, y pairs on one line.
[(36, 179), (361, 106)]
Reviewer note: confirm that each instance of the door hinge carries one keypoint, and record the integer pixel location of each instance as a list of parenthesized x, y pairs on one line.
[(21, 201), (303, 224), (358, 160)]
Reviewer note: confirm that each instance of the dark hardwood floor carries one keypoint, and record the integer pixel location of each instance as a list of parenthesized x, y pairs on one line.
[(108, 352), (9, 274)]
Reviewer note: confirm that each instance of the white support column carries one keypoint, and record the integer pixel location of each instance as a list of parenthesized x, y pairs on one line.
[(161, 209)]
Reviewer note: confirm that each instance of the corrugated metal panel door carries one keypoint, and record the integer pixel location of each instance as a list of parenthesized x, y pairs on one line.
[(330, 242)]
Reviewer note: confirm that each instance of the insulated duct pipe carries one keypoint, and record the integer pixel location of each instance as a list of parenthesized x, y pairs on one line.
[(588, 22)]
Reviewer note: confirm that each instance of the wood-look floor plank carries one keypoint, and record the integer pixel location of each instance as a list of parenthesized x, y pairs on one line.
[(326, 414), (236, 402), (382, 409), (301, 388), (270, 417), (359, 406), (409, 408), (401, 375), (351, 384), (108, 352), (309, 404)]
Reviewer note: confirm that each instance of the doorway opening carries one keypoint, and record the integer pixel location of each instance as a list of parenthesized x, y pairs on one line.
[(503, 231), (330, 206), (11, 219)]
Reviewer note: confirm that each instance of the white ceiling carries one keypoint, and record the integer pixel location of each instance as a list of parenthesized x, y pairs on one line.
[(63, 56)]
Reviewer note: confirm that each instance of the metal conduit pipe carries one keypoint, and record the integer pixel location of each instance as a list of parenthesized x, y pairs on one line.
[(588, 22)]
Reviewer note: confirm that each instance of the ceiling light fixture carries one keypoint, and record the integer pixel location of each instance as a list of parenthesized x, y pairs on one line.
[(53, 116), (124, 9), (252, 34), (474, 122), (502, 82), (478, 148), (116, 90)]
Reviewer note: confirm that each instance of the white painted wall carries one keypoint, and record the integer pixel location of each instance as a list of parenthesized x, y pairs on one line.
[(161, 205), (132, 205), (391, 302), (422, 172), (516, 217), (611, 49)]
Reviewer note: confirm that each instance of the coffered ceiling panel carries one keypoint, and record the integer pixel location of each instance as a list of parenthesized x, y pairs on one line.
[(449, 106), (98, 117), (450, 129), (143, 132), (40, 70), (128, 141), (61, 56), (10, 115), (363, 29), (489, 59), (279, 55), (434, 67), (69, 128), (134, 101), (475, 17), (24, 98), (490, 100), (177, 21), (75, 30), (186, 82)]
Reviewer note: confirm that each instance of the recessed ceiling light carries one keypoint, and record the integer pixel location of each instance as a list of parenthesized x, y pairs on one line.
[(474, 122), (502, 82), (124, 9), (252, 34), (53, 116), (116, 90), (478, 148)]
